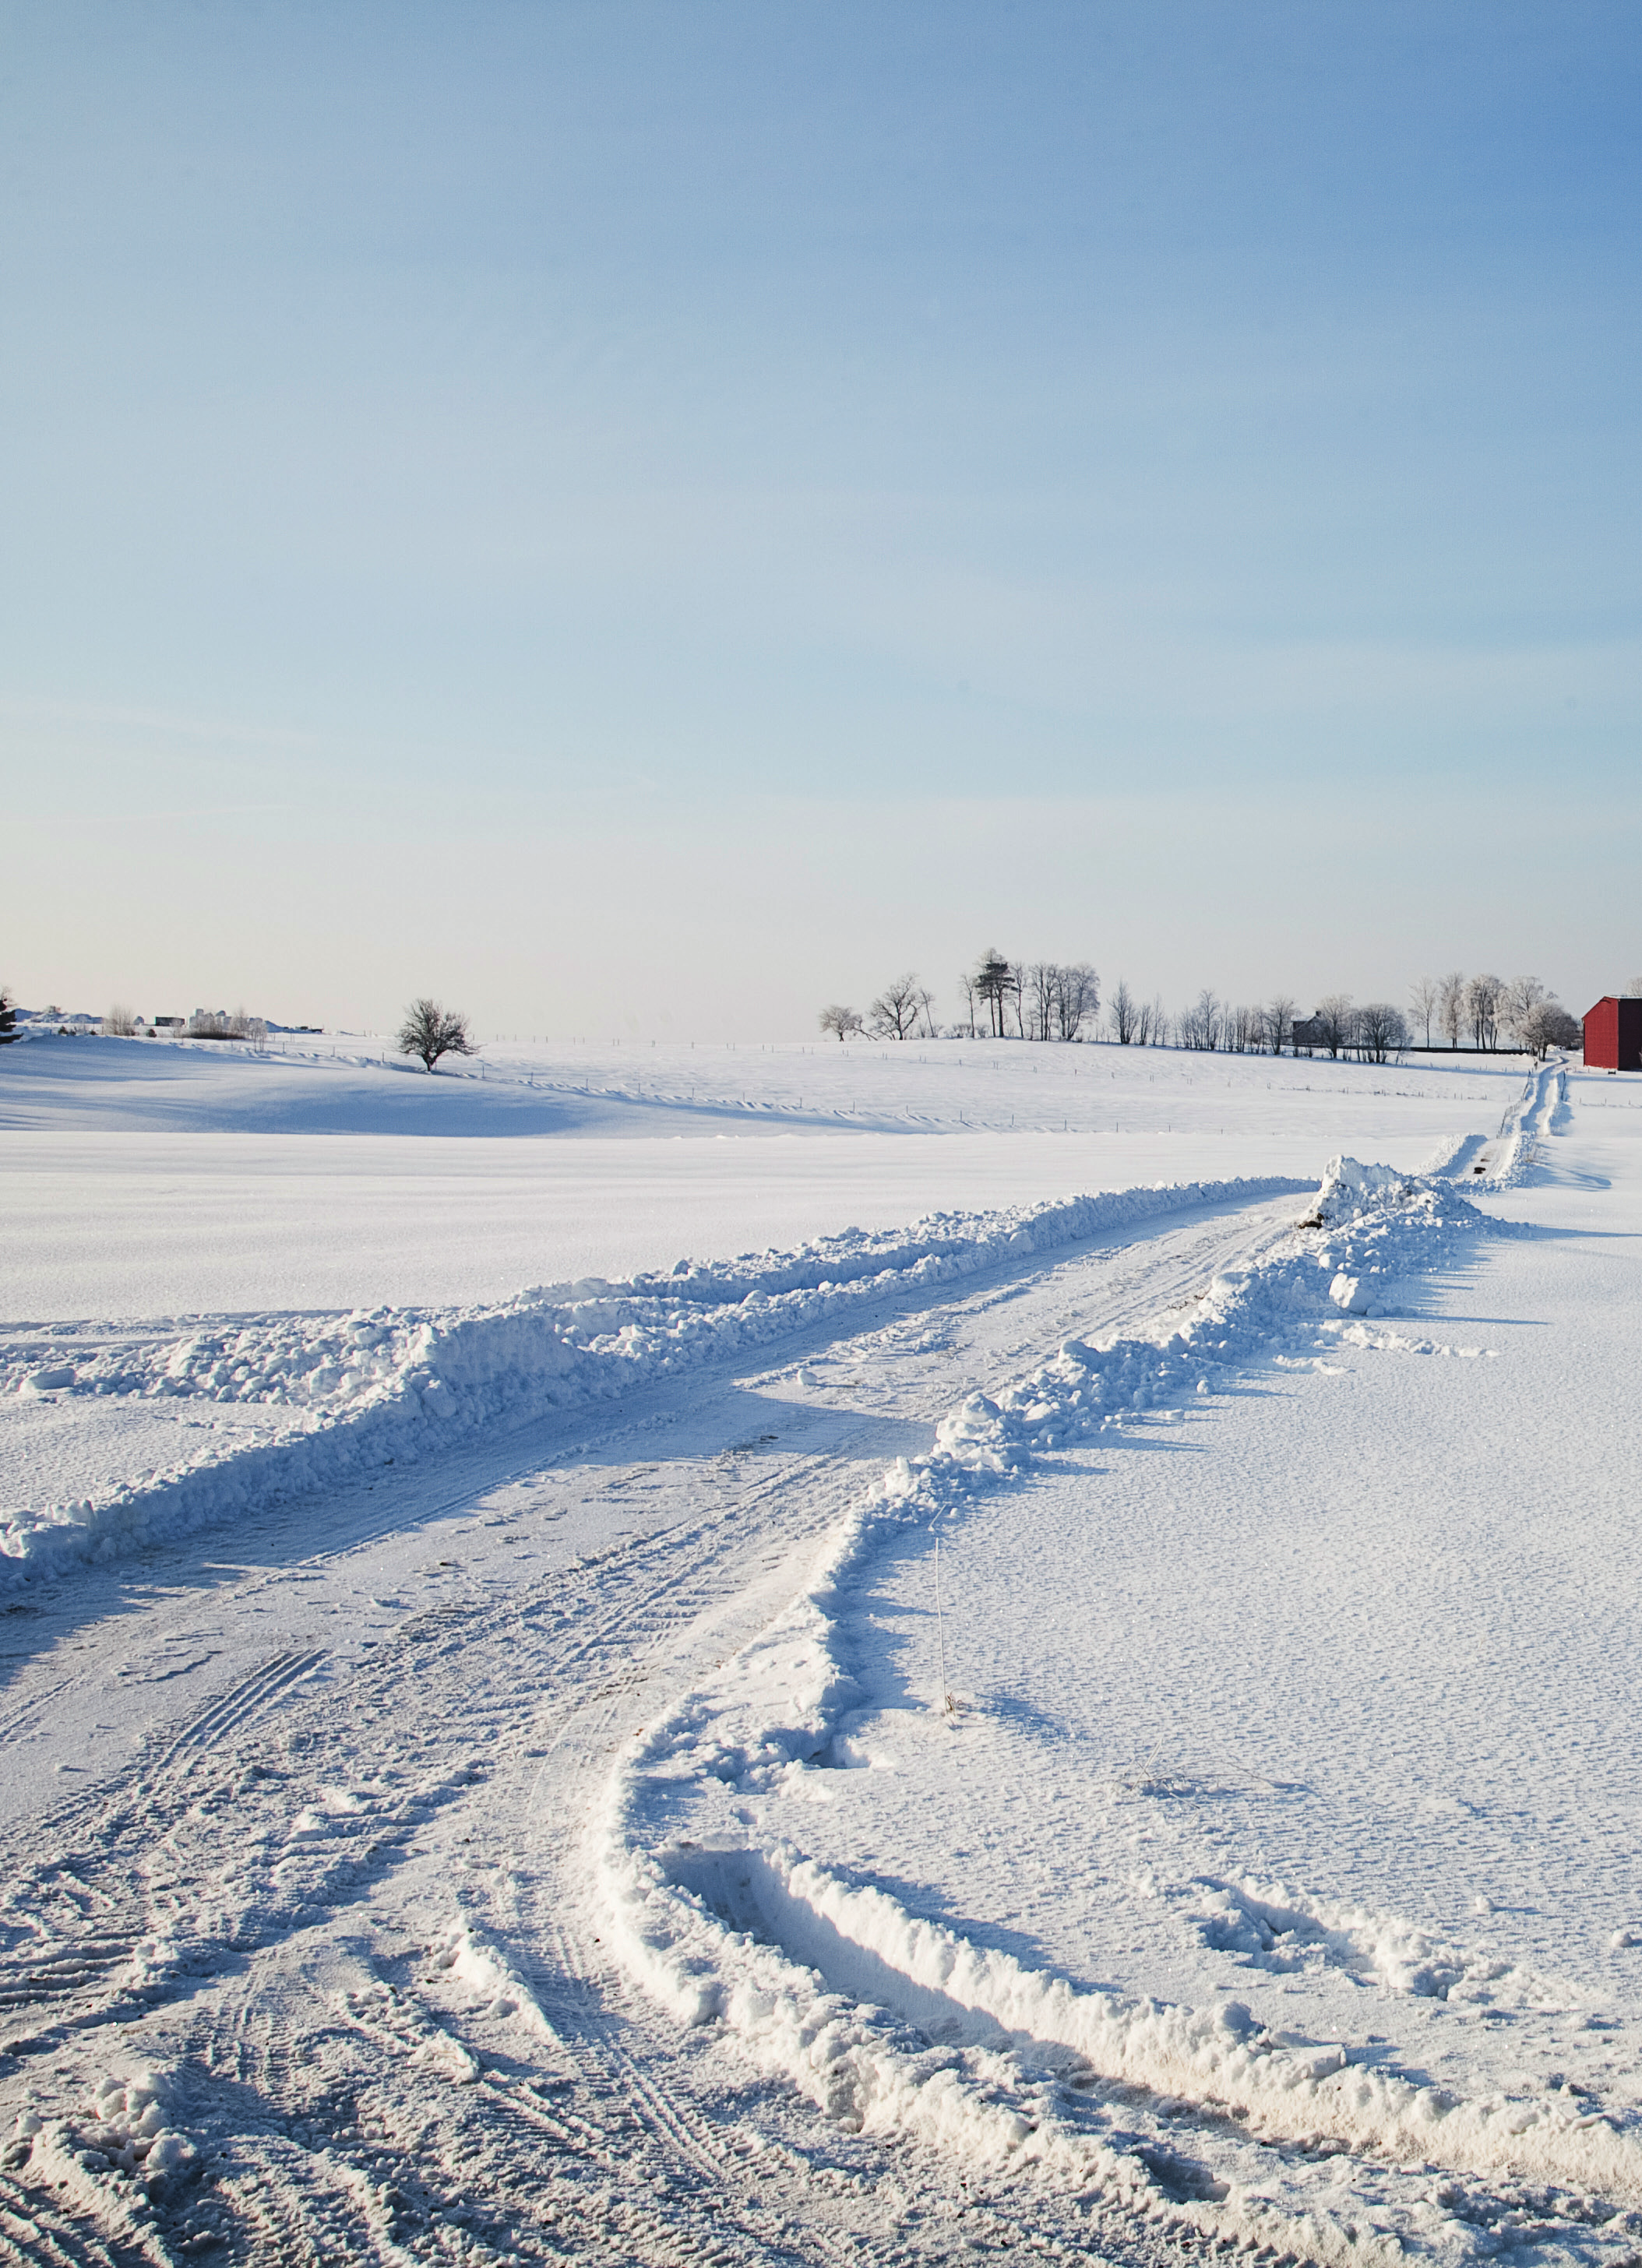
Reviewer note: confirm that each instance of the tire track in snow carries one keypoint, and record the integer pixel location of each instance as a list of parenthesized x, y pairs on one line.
[(562, 1667), (761, 1961), (233, 1710)]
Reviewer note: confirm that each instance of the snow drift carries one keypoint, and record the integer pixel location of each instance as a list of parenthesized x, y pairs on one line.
[(330, 1396)]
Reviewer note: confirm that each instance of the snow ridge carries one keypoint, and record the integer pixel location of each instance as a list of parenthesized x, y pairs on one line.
[(329, 1396), (889, 2022)]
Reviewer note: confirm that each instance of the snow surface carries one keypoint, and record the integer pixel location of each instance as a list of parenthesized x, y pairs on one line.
[(1106, 1729), (159, 1179), (158, 1433)]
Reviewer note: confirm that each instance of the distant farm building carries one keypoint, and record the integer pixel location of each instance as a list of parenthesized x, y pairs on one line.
[(1613, 1035)]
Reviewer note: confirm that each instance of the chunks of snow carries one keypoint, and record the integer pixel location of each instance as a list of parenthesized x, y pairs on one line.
[(1351, 1294)]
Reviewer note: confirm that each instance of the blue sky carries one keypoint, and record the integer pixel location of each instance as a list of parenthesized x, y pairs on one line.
[(654, 517)]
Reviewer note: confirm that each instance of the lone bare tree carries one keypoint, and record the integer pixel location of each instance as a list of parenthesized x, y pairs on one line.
[(430, 1032), (1451, 1006), (1522, 996), (1038, 982), (1549, 1025), (844, 1022), (1123, 1011), (1482, 997), (1380, 1030), (120, 1023), (1425, 994), (1077, 999), (1334, 1018), (897, 1008)]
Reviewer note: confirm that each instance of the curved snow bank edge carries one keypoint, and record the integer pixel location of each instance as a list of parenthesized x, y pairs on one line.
[(773, 1709), (339, 1395)]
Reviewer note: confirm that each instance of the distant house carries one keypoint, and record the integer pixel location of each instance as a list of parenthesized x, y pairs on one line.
[(169, 1023), (1613, 1035), (1308, 1031)]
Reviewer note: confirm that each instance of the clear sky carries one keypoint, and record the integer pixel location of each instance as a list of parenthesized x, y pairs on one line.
[(649, 518)]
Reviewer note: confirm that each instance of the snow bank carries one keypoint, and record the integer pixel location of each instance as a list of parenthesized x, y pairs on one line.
[(889, 2020), (334, 1395), (1526, 1122), (115, 2157)]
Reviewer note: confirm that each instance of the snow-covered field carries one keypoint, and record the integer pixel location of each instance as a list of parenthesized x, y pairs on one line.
[(154, 1178), (1099, 1722)]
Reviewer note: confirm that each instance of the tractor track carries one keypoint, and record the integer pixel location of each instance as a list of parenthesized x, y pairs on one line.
[(257, 1902)]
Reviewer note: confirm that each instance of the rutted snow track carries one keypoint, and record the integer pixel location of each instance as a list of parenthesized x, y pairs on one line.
[(900, 2025), (446, 1926), (328, 1936)]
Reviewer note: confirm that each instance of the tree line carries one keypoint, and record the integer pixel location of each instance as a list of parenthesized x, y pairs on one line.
[(1060, 1000), (1484, 1006)]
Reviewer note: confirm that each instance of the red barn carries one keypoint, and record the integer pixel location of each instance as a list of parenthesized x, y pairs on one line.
[(1613, 1035)]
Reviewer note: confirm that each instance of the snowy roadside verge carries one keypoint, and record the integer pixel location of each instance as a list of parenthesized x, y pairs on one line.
[(896, 2023), (327, 1397), (1504, 1162)]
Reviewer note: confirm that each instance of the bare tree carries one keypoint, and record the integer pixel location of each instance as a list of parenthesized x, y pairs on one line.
[(1380, 1030), (1123, 1014), (430, 1032), (1425, 993), (896, 1011), (966, 986), (1521, 998), (1038, 983), (1334, 1021), (1549, 1025), (1077, 999), (1482, 997), (1280, 1017), (844, 1022), (120, 1023), (1451, 1005), (1201, 1026), (8, 1015)]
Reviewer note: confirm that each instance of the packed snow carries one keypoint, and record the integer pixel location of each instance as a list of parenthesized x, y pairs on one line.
[(1091, 1715)]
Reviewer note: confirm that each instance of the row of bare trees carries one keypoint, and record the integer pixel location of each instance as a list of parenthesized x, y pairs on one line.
[(1482, 1007), (1026, 1000), (1047, 999), (1336, 1027), (1057, 1000)]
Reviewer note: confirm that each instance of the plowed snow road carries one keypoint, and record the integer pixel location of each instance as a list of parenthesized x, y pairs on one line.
[(299, 1829)]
